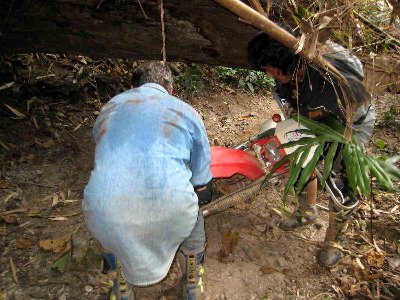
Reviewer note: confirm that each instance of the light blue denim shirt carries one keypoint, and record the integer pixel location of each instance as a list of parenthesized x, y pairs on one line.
[(151, 149)]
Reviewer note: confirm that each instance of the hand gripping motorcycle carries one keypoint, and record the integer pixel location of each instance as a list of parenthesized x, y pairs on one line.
[(239, 172)]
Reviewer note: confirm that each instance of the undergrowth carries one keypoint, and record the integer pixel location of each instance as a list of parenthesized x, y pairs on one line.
[(194, 78)]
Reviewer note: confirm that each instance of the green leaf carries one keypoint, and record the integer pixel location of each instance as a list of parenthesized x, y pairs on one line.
[(358, 165), (328, 162), (381, 176), (279, 164), (358, 171), (250, 86), (348, 158), (381, 144), (309, 168), (364, 170), (61, 264), (319, 127), (392, 171), (295, 168), (393, 160)]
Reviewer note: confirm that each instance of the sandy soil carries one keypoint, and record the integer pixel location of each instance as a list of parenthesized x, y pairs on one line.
[(45, 161)]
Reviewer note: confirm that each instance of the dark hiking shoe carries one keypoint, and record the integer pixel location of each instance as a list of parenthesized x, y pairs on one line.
[(302, 216), (329, 256), (307, 211)]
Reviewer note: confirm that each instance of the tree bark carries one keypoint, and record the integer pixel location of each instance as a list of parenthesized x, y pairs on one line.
[(197, 31)]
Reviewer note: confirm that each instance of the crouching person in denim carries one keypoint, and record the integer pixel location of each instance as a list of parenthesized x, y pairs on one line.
[(152, 159)]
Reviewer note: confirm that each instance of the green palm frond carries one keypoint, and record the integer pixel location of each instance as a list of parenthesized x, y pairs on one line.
[(328, 140)]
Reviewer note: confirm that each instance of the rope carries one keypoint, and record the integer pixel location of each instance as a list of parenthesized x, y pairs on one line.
[(164, 52)]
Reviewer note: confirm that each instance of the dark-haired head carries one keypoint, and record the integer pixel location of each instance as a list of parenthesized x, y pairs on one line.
[(153, 72), (264, 51)]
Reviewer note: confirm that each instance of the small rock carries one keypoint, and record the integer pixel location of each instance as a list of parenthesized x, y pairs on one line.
[(88, 288), (282, 262), (86, 253), (38, 292), (394, 262), (62, 297)]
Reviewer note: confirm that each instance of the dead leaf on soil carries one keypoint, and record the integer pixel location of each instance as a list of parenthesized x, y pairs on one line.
[(46, 144), (10, 219), (48, 197), (3, 231), (35, 213), (6, 86), (61, 244), (242, 118), (55, 200), (77, 127), (10, 197), (71, 201), (229, 242), (268, 270), (35, 122), (4, 184), (376, 259), (12, 211), (19, 114), (26, 157), (360, 264), (13, 270), (58, 219), (23, 244), (358, 269), (376, 275), (5, 146)]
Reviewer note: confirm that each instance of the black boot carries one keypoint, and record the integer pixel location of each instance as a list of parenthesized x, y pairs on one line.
[(331, 252)]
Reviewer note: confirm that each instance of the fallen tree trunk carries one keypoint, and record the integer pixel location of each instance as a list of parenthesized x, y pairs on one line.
[(196, 31)]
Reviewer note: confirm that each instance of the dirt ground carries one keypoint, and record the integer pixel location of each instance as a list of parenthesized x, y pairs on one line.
[(46, 154)]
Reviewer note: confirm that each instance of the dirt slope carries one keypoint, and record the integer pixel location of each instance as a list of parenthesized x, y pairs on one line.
[(46, 156)]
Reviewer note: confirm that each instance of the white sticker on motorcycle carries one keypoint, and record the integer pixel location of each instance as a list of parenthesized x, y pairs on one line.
[(292, 136)]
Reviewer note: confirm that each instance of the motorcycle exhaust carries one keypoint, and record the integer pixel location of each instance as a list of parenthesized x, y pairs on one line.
[(242, 195)]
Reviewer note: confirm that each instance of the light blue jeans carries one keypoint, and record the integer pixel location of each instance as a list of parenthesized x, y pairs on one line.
[(197, 239)]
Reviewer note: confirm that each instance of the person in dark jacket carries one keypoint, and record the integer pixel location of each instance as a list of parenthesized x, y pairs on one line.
[(303, 88)]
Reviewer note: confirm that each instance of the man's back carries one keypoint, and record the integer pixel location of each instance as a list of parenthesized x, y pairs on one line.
[(151, 150), (144, 140)]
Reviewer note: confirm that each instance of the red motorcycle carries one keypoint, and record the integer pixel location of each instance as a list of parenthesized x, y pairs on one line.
[(238, 172)]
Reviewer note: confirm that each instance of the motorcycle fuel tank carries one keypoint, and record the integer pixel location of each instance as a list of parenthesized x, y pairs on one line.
[(225, 162)]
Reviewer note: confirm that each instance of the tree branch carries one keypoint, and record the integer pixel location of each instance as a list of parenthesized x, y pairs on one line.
[(276, 32)]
